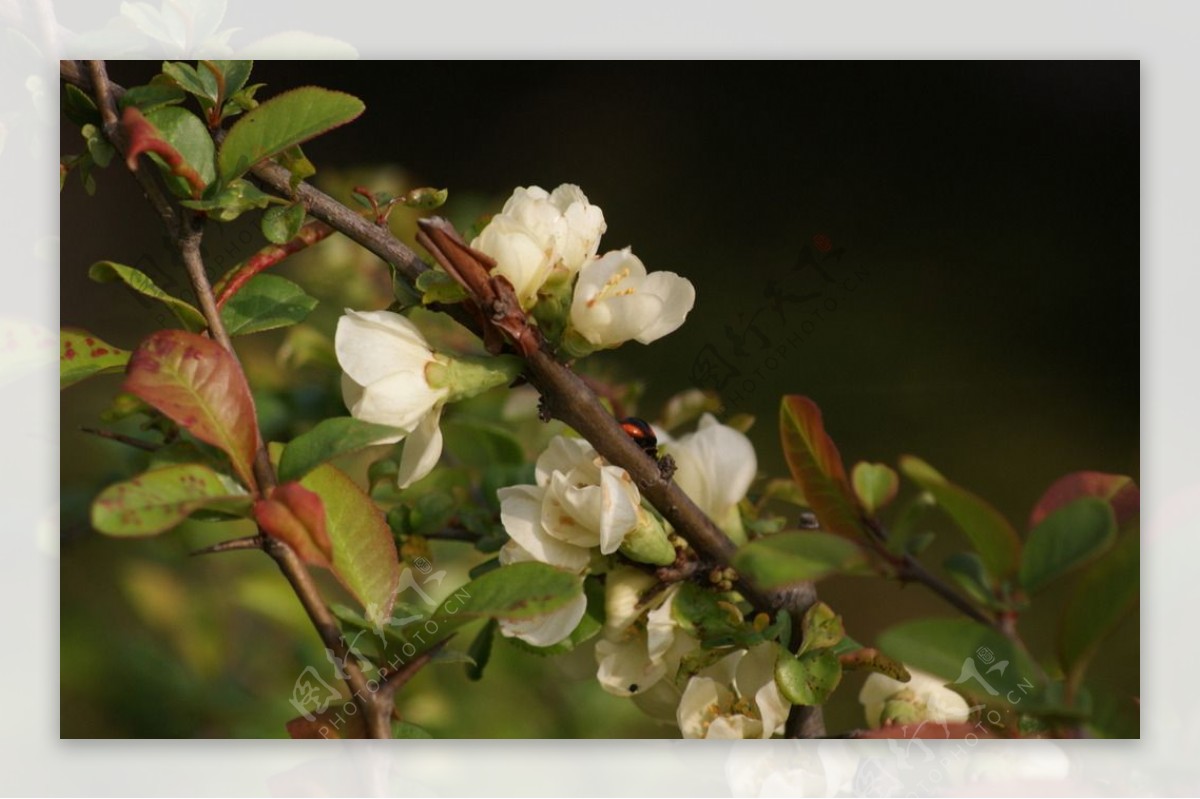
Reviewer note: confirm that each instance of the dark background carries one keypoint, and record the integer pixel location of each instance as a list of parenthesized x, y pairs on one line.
[(985, 311)]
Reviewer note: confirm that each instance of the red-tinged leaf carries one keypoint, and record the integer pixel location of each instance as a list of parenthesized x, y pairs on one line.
[(145, 138), (364, 552), (199, 385), (295, 515), (929, 730), (82, 355), (989, 532), (817, 466), (1118, 490), (332, 723)]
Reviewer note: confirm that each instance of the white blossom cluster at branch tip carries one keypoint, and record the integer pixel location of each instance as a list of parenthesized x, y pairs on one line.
[(391, 376), (579, 506), (542, 241), (736, 697), (925, 697), (539, 235)]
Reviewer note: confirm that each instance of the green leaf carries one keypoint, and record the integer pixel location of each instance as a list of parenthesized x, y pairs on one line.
[(480, 651), (959, 649), (968, 571), (408, 730), (284, 121), (990, 533), (266, 302), (152, 96), (875, 485), (82, 355), (199, 82), (234, 73), (330, 438), (437, 286), (793, 557), (110, 271), (822, 628), (184, 131), (231, 201), (1116, 489), (869, 659), (199, 385), (809, 679), (816, 466), (514, 592), (296, 162), (79, 107), (1105, 593), (160, 499), (364, 552), (281, 223), (1065, 540), (480, 444)]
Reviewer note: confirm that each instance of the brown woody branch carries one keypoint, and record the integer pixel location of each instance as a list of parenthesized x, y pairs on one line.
[(568, 398), (188, 229)]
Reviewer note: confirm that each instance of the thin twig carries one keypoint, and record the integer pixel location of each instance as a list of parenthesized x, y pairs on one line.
[(147, 446), (189, 230), (567, 397), (233, 545)]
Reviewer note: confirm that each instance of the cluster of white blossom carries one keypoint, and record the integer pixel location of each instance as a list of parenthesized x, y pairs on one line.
[(581, 510)]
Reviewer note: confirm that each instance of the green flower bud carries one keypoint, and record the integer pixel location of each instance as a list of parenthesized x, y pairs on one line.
[(648, 542)]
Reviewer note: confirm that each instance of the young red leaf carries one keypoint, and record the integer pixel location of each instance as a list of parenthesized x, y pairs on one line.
[(296, 516), (817, 466), (198, 384), (363, 550), (145, 138), (1118, 490)]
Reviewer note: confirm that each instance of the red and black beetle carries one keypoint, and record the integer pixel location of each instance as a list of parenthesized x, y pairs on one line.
[(642, 434)]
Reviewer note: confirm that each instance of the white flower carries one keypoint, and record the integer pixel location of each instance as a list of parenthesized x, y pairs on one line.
[(539, 234), (615, 301), (923, 698), (642, 643), (385, 361), (736, 697), (580, 502), (714, 466), (548, 629)]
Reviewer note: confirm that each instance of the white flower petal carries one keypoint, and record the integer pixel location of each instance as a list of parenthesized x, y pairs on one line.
[(549, 629), (619, 506), (714, 466), (623, 589), (562, 455), (373, 345), (624, 669), (399, 401), (570, 513), (698, 697), (521, 515), (422, 449), (676, 296)]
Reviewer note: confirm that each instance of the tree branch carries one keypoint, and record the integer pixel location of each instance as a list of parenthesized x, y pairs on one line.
[(567, 397), (188, 230)]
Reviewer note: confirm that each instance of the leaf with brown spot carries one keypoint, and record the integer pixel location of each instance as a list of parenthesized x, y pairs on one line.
[(199, 385), (81, 355), (159, 499)]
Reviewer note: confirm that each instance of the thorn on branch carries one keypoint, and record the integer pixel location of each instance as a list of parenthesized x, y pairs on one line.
[(249, 542)]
